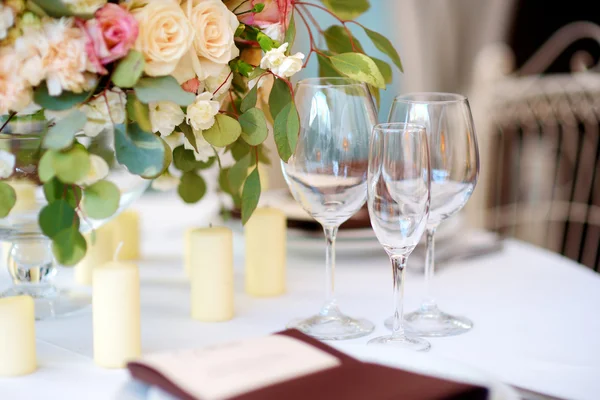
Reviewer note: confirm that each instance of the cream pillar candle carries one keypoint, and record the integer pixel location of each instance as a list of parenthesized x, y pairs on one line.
[(211, 274), (17, 336), (25, 191), (126, 230), (265, 235), (116, 314), (100, 252)]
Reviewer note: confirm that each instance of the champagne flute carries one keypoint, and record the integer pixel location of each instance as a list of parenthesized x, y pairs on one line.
[(454, 171), (327, 175), (398, 198)]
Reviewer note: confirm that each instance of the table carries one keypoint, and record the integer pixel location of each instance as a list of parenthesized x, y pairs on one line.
[(535, 312)]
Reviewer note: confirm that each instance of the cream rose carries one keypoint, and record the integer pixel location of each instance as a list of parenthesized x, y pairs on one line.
[(201, 113), (214, 27), (280, 64), (165, 35)]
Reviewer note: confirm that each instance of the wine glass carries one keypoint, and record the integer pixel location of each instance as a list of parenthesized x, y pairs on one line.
[(454, 161), (398, 198), (327, 175)]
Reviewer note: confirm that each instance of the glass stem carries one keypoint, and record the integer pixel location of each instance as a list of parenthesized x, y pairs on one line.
[(429, 302), (398, 266), (330, 308)]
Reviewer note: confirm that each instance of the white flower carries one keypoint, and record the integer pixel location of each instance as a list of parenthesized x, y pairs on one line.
[(275, 32), (7, 164), (104, 112), (165, 182), (7, 19), (84, 6), (205, 150), (174, 140), (280, 64), (165, 116), (223, 80), (98, 171), (201, 113)]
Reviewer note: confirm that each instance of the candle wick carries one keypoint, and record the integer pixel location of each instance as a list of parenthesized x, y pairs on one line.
[(117, 251)]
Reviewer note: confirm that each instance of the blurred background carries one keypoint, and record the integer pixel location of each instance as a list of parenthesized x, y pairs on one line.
[(529, 68)]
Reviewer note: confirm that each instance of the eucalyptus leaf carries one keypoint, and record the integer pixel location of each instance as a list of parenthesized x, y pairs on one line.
[(249, 101), (238, 173), (8, 199), (358, 67), (143, 153), (57, 216), (183, 159), (45, 167), (65, 101), (347, 9), (61, 134), (385, 46), (164, 88), (191, 188), (250, 195), (189, 134), (239, 149), (256, 72), (254, 126), (206, 164), (71, 166), (101, 200), (58, 9), (69, 246), (279, 97), (385, 69), (225, 131), (265, 42), (263, 155), (138, 112), (338, 41), (129, 70), (286, 129), (55, 190), (290, 34)]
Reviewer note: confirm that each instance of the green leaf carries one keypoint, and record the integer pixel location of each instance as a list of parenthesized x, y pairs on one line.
[(240, 30), (138, 112), (238, 173), (129, 70), (206, 164), (385, 46), (164, 88), (338, 41), (57, 9), (279, 97), (359, 67), (258, 8), (55, 190), (8, 199), (65, 101), (250, 100), (69, 246), (326, 68), (192, 187), (143, 153), (45, 168), (239, 149), (241, 67), (263, 155), (101, 200), (376, 93), (254, 126), (290, 34), (286, 129), (225, 131), (72, 165), (385, 69), (256, 73), (265, 42), (189, 135), (347, 9), (57, 216), (183, 159), (61, 135), (250, 195)]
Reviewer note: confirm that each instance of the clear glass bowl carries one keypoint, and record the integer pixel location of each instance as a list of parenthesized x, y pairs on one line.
[(26, 251)]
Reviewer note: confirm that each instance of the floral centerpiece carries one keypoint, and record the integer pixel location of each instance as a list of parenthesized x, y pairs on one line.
[(177, 83)]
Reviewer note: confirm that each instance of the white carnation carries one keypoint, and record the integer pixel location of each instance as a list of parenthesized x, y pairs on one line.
[(165, 182), (7, 19), (201, 113), (165, 116), (280, 64), (221, 81), (7, 164), (98, 171), (174, 140), (205, 150)]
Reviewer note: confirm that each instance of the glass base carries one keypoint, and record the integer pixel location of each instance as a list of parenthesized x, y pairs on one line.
[(337, 327), (51, 302), (434, 323), (404, 342)]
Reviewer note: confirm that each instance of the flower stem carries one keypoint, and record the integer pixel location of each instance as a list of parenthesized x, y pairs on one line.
[(341, 21), (10, 116)]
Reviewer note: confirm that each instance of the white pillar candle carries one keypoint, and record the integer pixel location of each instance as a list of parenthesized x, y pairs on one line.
[(126, 230), (211, 268), (116, 314), (100, 252), (265, 235), (17, 336)]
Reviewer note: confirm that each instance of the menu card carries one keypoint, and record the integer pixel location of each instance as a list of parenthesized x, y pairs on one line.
[(288, 365)]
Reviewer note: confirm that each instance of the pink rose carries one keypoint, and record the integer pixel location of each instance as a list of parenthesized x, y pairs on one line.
[(275, 12), (111, 34)]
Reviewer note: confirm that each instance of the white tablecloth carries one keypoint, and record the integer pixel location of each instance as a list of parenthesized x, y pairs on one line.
[(535, 313)]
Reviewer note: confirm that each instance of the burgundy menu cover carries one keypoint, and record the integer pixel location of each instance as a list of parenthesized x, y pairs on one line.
[(317, 372)]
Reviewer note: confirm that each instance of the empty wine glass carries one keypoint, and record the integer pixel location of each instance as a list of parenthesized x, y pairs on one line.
[(454, 171), (327, 175), (398, 198)]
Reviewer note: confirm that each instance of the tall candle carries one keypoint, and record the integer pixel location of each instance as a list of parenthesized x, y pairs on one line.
[(17, 336), (116, 314), (265, 235), (211, 274), (126, 230), (99, 252)]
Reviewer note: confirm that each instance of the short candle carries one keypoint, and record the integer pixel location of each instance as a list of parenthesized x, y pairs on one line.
[(17, 336)]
